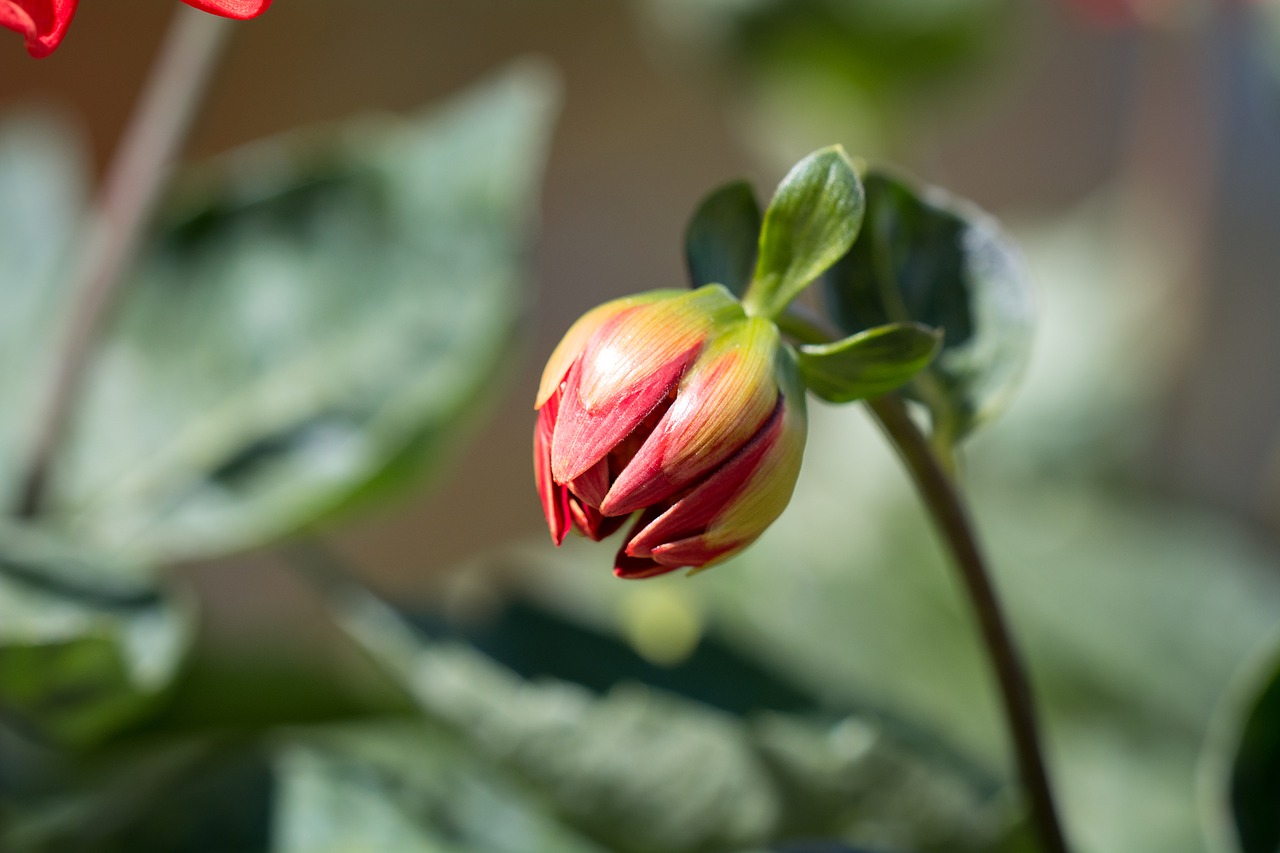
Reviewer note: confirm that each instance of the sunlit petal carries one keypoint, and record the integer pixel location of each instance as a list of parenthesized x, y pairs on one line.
[(722, 401)]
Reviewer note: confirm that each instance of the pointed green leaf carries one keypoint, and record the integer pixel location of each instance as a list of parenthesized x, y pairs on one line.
[(927, 257), (869, 363), (812, 220), (720, 242)]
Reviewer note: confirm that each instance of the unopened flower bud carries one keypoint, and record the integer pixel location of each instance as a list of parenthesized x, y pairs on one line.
[(678, 407)]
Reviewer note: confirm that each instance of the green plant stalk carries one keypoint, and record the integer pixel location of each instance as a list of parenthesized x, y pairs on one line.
[(139, 172), (951, 518)]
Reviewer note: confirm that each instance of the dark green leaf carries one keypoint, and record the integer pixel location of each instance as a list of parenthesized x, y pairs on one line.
[(721, 240), (313, 324), (1255, 770), (869, 363), (197, 796), (80, 662), (812, 220), (926, 257)]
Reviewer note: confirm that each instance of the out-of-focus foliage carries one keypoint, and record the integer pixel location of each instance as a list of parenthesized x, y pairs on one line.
[(405, 787), (306, 329), (1252, 786), (926, 257), (722, 238), (810, 71), (497, 761), (78, 663), (42, 196), (641, 769)]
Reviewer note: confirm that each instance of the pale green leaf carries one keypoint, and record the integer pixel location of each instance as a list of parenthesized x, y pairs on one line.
[(812, 220), (314, 322)]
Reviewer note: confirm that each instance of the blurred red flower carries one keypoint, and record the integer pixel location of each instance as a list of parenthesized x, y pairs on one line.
[(44, 22)]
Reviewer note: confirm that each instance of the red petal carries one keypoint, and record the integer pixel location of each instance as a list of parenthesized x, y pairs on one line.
[(635, 568), (555, 499), (583, 330), (695, 552), (631, 567), (722, 401), (239, 9), (592, 486), (583, 437), (590, 523), (690, 515), (42, 22)]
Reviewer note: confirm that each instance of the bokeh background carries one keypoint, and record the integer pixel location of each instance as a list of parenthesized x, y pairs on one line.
[(1130, 493)]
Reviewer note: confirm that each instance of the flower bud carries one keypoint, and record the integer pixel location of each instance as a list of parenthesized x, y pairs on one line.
[(679, 407)]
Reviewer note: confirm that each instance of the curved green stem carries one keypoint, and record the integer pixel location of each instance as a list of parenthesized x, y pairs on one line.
[(138, 174), (951, 518)]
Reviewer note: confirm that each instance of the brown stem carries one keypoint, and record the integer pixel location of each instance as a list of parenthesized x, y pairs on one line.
[(138, 173), (952, 521)]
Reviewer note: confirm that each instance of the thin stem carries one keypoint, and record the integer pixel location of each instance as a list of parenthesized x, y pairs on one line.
[(138, 173), (952, 520)]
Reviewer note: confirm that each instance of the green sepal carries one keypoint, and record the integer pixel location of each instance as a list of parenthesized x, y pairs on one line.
[(812, 220), (720, 242), (869, 363)]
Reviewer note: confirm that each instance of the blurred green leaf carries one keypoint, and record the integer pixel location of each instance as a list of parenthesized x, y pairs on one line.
[(42, 195), (194, 795), (1254, 784), (722, 237), (277, 661), (812, 219), (312, 326), (399, 787), (501, 764), (643, 770), (407, 787), (78, 663), (926, 257), (869, 363)]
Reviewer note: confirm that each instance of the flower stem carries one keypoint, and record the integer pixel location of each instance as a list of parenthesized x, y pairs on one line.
[(138, 173), (952, 520)]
